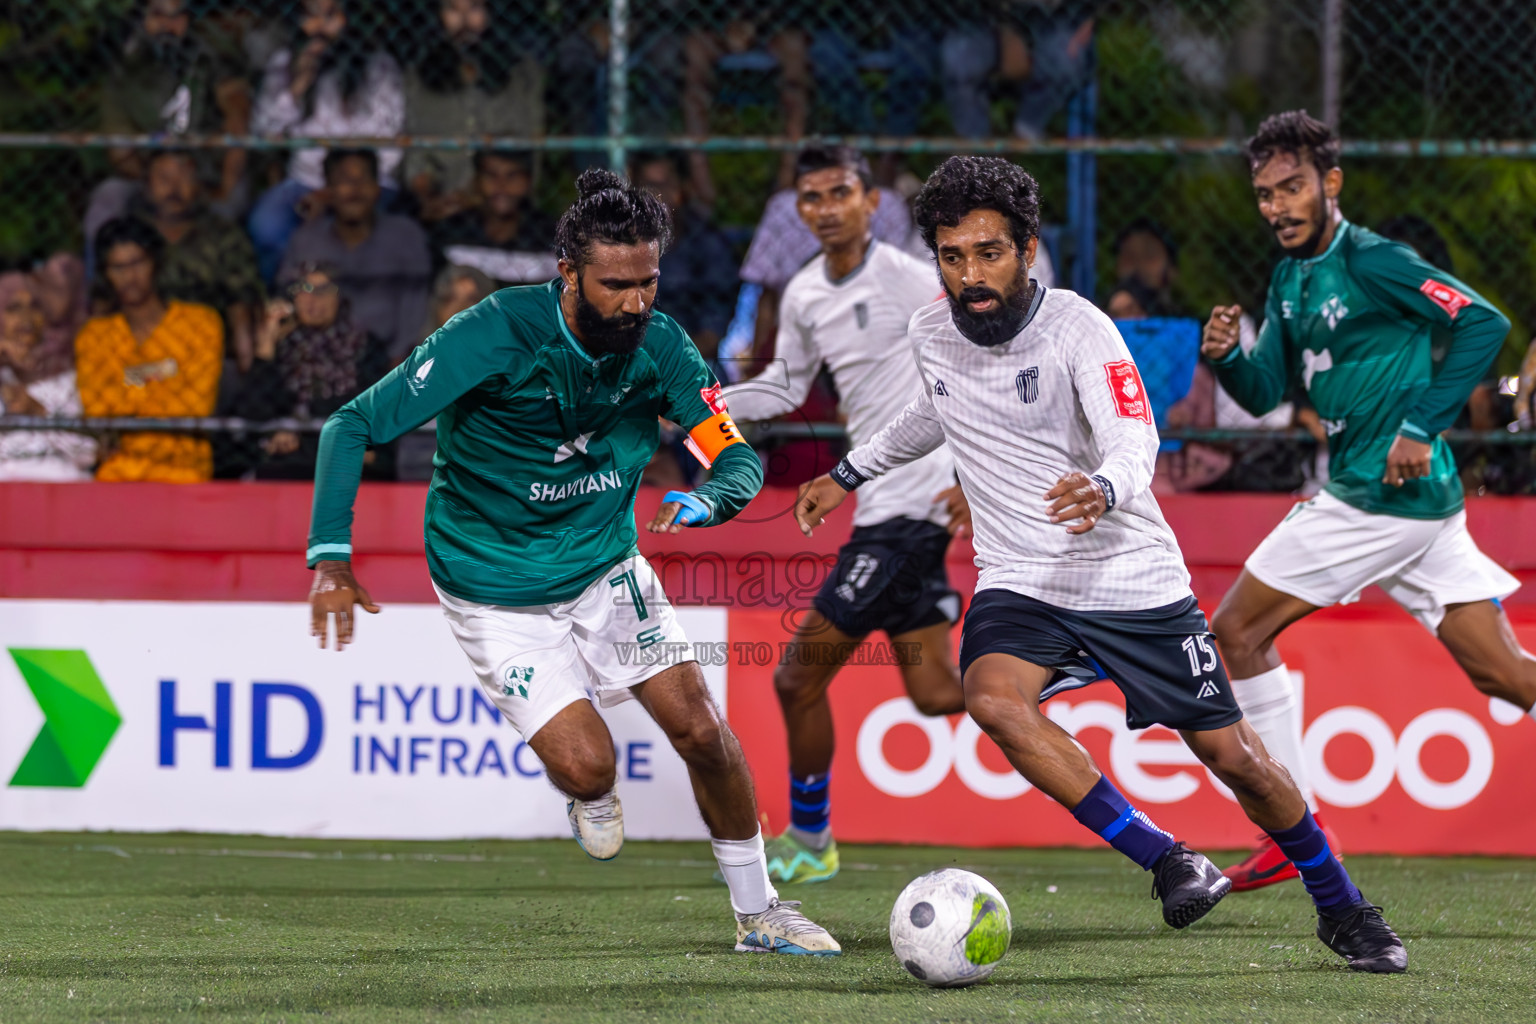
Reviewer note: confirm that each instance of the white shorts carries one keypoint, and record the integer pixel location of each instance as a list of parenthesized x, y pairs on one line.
[(535, 660), (1326, 552)]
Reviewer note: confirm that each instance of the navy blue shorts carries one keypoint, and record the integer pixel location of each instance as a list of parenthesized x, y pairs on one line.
[(1163, 659), (890, 576)]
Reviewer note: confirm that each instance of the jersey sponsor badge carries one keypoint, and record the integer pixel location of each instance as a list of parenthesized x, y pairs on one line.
[(713, 398), (1126, 388), (1444, 296), (707, 440)]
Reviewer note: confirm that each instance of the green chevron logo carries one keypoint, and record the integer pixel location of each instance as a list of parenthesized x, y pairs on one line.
[(80, 718)]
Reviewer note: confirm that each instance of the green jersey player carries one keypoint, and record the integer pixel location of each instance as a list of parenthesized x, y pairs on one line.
[(546, 400), (1349, 318)]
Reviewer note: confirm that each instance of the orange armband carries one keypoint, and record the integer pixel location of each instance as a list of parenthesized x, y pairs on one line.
[(710, 438)]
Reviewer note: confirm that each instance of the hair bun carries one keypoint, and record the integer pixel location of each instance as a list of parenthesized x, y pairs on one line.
[(596, 179)]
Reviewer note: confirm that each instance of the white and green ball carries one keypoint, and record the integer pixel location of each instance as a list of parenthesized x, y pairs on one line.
[(950, 928)]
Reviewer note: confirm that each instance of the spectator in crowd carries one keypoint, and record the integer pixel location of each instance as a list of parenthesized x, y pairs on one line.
[(698, 271), (472, 78), (149, 357), (311, 359), (63, 292), (329, 83), (1145, 252), (37, 378), (581, 66), (1045, 45), (1131, 300), (169, 83), (762, 38), (380, 260), (501, 233), (900, 46), (454, 290), (208, 259)]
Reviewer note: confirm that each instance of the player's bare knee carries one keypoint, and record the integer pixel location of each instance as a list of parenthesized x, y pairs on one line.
[(934, 703), (997, 709), (584, 779), (1236, 634), (794, 685), (1241, 772), (701, 743)]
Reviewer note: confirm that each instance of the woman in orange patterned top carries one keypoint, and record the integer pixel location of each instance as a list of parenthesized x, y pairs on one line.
[(148, 358)]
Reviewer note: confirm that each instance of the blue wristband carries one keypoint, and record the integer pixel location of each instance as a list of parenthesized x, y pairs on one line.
[(693, 513)]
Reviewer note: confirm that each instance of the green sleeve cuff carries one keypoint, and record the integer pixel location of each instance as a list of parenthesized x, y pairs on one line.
[(327, 552), (1414, 432)]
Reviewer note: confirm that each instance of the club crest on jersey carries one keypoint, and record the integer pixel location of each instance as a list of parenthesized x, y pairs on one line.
[(1125, 387), (713, 398), (1028, 384), (1333, 311), (1444, 296), (861, 314)]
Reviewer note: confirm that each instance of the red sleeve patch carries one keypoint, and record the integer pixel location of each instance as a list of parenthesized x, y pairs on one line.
[(1444, 296), (1126, 389), (713, 398)]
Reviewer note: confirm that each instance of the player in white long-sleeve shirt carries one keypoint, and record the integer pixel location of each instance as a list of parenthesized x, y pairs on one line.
[(1044, 412), (847, 310)]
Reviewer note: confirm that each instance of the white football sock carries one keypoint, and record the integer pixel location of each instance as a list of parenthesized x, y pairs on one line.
[(745, 868), (1270, 704)]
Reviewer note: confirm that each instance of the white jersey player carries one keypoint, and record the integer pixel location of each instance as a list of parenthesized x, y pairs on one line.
[(1044, 413), (847, 311)]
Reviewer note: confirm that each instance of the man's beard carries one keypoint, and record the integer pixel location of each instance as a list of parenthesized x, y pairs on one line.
[(617, 335), (999, 324), (1307, 249)]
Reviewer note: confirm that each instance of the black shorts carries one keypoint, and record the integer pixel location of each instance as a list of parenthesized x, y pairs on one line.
[(890, 576), (1163, 659)]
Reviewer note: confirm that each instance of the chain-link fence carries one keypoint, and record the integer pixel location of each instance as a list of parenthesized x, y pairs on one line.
[(1129, 112)]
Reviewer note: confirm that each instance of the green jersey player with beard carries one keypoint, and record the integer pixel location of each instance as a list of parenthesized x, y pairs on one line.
[(546, 400), (1351, 318)]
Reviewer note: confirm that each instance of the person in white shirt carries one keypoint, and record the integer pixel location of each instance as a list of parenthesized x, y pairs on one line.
[(1043, 409), (847, 310), (37, 378), (331, 83)]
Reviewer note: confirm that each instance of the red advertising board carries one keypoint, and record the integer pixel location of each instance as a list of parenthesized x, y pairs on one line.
[(1405, 755)]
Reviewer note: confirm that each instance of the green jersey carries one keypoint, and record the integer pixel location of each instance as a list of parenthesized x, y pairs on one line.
[(1354, 326), (540, 447)]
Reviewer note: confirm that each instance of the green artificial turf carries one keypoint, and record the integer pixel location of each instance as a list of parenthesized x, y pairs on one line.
[(155, 927)]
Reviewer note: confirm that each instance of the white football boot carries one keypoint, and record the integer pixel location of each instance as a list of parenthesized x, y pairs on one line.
[(783, 929), (598, 825)]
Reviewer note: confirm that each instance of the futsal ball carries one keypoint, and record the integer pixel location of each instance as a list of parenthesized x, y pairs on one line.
[(949, 928)]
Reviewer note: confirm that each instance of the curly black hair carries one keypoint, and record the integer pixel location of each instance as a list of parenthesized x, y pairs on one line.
[(610, 210), (115, 232), (963, 184), (1295, 132)]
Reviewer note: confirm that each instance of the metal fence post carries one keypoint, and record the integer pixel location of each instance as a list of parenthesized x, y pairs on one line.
[(618, 82), (1082, 190)]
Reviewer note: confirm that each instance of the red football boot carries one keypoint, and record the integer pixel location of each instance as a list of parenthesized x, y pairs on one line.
[(1266, 865)]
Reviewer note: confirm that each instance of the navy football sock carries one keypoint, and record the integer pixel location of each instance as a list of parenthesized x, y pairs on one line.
[(1325, 878), (1105, 811), (810, 802)]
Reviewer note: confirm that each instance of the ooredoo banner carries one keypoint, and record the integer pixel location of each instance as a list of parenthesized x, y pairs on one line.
[(1406, 757), (142, 715)]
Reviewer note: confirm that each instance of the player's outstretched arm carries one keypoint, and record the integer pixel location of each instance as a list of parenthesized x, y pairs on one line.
[(1222, 332), (1256, 379), (1079, 500), (334, 592), (818, 497)]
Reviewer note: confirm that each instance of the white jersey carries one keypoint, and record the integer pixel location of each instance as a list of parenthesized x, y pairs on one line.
[(857, 327), (1062, 395)]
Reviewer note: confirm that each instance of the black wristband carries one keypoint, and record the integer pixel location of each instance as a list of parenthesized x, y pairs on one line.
[(1109, 492), (846, 476)]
